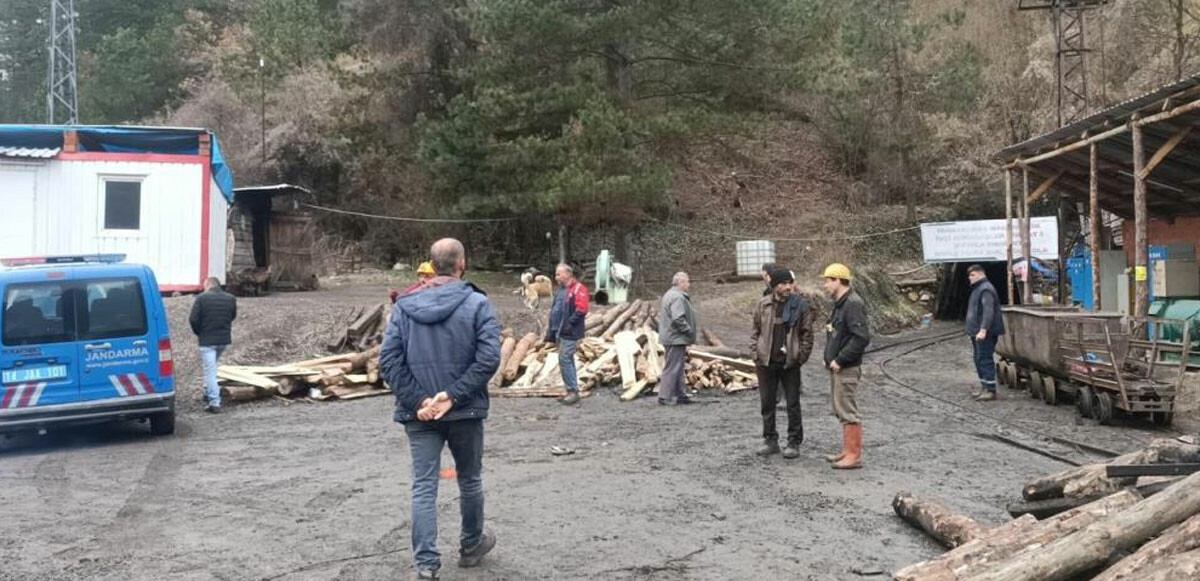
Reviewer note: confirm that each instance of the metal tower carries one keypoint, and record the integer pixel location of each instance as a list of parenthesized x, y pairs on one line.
[(1070, 51), (62, 101)]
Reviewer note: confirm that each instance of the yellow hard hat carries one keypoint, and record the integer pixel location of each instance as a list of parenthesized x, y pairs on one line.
[(425, 268), (837, 270)]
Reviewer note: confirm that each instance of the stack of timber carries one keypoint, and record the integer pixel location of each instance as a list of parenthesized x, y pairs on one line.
[(344, 376), (1108, 527), (630, 358)]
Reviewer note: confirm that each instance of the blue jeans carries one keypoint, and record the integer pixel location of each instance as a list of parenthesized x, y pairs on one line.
[(425, 439), (209, 356), (566, 363), (985, 361)]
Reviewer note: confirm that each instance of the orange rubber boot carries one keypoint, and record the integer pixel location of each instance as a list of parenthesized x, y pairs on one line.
[(841, 454), (853, 458)]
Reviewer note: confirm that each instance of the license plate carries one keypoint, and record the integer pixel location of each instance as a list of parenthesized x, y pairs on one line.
[(33, 374)]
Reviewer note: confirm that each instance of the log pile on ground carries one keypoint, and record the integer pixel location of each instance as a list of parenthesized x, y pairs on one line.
[(344, 376), (621, 349), (1111, 532)]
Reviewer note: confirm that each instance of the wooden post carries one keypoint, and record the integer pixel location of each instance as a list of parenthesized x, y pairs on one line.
[(1141, 257), (1008, 233), (1026, 244), (1062, 249), (1094, 223)]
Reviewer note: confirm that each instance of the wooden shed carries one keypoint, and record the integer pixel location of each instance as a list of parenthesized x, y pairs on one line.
[(270, 240)]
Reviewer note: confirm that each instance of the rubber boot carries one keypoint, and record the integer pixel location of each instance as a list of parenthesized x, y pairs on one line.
[(853, 458), (842, 453)]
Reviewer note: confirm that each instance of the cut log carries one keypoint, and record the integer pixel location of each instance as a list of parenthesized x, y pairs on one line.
[(1088, 548), (243, 393), (1180, 538), (619, 323), (634, 391), (745, 365), (358, 362), (640, 320), (654, 365), (1173, 568), (712, 338), (548, 392), (612, 314), (332, 377), (1007, 540), (627, 351), (1091, 479), (946, 527), (506, 350), (324, 360), (518, 356), (363, 324), (289, 386)]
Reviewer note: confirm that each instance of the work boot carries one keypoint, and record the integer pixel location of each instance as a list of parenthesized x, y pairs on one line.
[(853, 457), (471, 557), (986, 395), (791, 451), (426, 574), (571, 398), (769, 447), (213, 409), (841, 454)]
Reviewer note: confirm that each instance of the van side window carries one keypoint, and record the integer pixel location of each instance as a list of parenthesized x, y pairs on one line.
[(114, 309), (38, 314)]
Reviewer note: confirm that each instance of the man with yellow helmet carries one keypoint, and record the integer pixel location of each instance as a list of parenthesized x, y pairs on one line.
[(846, 339), (425, 271)]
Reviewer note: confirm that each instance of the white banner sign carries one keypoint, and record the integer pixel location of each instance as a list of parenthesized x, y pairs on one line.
[(983, 240)]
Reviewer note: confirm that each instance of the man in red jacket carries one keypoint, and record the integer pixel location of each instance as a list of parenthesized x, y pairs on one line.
[(566, 327)]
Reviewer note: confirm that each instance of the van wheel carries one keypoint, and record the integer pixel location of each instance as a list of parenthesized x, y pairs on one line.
[(162, 424)]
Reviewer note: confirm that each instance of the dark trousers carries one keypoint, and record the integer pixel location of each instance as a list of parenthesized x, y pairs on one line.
[(985, 361), (771, 380), (426, 439), (673, 384)]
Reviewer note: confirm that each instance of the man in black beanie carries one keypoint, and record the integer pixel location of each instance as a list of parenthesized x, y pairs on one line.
[(781, 342)]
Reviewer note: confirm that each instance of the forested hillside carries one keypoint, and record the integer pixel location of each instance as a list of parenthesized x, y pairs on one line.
[(774, 118)]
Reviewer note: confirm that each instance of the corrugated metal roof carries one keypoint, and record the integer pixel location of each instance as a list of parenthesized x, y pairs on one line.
[(1119, 112), (29, 152)]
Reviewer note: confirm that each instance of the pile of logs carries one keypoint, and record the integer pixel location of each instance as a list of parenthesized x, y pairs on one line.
[(1104, 528), (632, 359), (365, 330)]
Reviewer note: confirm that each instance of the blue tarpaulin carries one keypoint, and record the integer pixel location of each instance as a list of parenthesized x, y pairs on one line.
[(117, 139)]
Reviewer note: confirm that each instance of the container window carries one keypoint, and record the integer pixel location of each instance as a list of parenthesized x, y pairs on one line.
[(122, 205)]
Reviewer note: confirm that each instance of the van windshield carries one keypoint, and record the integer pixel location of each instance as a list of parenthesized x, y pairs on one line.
[(38, 314)]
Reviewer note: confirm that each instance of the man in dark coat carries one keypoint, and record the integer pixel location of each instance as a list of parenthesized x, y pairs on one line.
[(781, 342), (441, 348), (211, 320), (985, 325)]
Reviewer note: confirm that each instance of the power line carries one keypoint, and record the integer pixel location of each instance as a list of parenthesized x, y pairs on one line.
[(405, 219), (752, 237)]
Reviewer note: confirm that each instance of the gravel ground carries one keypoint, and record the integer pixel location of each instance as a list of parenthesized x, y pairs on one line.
[(320, 491)]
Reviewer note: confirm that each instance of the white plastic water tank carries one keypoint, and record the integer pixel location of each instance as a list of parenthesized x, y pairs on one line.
[(752, 254)]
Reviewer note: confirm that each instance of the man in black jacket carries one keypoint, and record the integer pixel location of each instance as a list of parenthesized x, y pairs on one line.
[(212, 318), (846, 339), (985, 325)]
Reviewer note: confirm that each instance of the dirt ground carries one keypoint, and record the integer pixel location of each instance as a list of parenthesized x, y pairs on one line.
[(304, 491)]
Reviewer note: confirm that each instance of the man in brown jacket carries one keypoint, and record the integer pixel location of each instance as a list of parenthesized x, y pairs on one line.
[(781, 342)]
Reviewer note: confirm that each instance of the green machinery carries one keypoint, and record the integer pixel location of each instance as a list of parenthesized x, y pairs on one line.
[(612, 280), (1179, 309)]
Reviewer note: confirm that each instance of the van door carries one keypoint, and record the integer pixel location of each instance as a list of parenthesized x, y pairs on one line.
[(39, 359), (117, 354)]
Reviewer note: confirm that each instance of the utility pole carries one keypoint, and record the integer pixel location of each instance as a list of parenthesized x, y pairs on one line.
[(1070, 52), (62, 97)]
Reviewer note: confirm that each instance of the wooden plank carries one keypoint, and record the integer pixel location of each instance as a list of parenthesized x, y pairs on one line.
[(1044, 187), (247, 378), (627, 351), (1133, 470), (745, 365), (1164, 151)]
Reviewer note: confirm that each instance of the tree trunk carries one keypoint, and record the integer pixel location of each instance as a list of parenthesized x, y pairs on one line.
[(946, 527), (513, 369), (506, 350), (1181, 566), (712, 338), (617, 324), (1011, 538), (1091, 479), (1090, 547), (1180, 538)]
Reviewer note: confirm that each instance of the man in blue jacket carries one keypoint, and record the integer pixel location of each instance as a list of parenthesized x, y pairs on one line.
[(985, 325), (566, 327), (440, 349)]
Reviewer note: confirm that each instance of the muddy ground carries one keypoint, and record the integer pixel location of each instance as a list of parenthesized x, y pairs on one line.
[(303, 491)]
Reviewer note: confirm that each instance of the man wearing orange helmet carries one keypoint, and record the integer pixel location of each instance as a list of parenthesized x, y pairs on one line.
[(846, 339)]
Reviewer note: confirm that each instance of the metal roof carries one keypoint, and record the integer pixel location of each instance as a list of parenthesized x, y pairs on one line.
[(270, 191), (1119, 112), (29, 152)]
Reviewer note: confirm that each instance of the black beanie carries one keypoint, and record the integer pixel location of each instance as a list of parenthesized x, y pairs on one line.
[(781, 275)]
